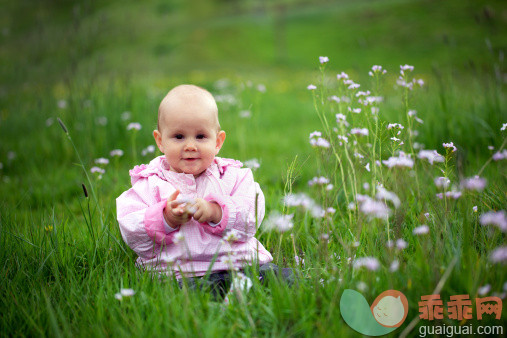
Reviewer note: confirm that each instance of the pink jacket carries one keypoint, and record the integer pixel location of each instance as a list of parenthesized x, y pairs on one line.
[(140, 215)]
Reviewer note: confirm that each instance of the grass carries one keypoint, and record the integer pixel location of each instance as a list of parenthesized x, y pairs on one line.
[(62, 257)]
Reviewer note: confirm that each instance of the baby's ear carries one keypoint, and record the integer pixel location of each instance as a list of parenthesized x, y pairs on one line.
[(158, 139), (220, 141)]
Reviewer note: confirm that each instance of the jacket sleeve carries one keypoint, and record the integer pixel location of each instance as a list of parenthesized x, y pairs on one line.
[(238, 208), (140, 216)]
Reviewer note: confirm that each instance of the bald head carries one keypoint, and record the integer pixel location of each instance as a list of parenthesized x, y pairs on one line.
[(188, 100)]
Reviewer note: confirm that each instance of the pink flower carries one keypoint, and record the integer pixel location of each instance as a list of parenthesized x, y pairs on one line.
[(359, 131), (401, 161), (342, 75), (500, 155), (431, 155), (401, 243), (442, 182)]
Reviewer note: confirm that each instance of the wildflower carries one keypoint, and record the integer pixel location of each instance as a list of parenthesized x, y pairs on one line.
[(431, 155), (418, 120), (358, 155), (442, 182), (406, 67), (401, 243), (498, 219), (421, 230), (311, 87), (329, 187), (504, 126), (134, 125), (335, 99), (427, 215), (124, 293), (323, 59), (359, 131), (401, 161), (420, 82), (228, 260), (261, 88), (362, 286), (474, 183), (330, 210), (343, 138), (354, 110), (98, 170), (491, 148), (367, 167), (178, 238), (279, 222), (395, 265), (62, 104), (354, 86), (126, 115), (374, 110), (48, 228), (499, 255), (366, 186), (49, 122), (371, 263), (298, 200), (395, 125), (324, 237), (241, 283), (315, 134), (320, 142), (317, 212), (449, 145), (299, 261), (102, 161), (374, 208), (500, 155), (342, 75), (116, 152), (245, 114), (475, 208), (395, 139), (483, 290), (232, 236), (252, 164), (101, 120), (383, 194)]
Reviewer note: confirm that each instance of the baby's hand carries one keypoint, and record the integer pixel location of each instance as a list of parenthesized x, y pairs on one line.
[(175, 214), (205, 211)]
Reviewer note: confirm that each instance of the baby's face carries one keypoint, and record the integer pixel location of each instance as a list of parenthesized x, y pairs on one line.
[(189, 136)]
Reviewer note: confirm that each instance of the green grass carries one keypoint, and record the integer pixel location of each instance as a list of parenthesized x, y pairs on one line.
[(62, 265)]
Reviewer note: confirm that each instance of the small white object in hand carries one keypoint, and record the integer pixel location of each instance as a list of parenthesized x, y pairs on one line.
[(182, 200)]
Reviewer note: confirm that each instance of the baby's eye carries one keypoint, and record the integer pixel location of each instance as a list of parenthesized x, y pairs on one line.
[(201, 136), (178, 136)]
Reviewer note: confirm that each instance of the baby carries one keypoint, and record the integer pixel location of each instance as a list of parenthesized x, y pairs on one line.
[(189, 211)]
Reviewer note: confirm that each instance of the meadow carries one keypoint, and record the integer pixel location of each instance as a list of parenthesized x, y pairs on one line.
[(349, 172)]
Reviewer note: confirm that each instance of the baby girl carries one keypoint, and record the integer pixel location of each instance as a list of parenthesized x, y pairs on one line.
[(189, 212)]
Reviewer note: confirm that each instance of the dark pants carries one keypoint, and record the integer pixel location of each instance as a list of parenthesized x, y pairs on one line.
[(218, 283)]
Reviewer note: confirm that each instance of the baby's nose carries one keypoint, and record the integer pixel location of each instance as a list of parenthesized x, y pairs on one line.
[(190, 146)]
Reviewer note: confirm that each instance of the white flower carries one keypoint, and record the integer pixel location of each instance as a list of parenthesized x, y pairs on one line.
[(371, 263), (442, 182), (318, 180), (62, 104), (279, 222), (395, 125), (359, 131), (261, 88), (406, 67), (504, 126), (475, 208), (245, 114), (474, 183), (373, 208), (323, 59), (383, 194), (421, 230), (116, 152), (98, 170), (134, 125), (367, 166), (127, 292), (252, 164), (126, 115), (311, 87), (395, 265), (342, 75), (499, 255), (483, 290), (401, 243), (232, 236), (500, 155), (498, 218), (102, 161), (178, 238), (431, 155), (320, 142), (101, 120), (449, 145), (401, 161)]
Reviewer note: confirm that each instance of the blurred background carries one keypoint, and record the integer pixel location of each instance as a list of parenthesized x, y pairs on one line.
[(92, 62)]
